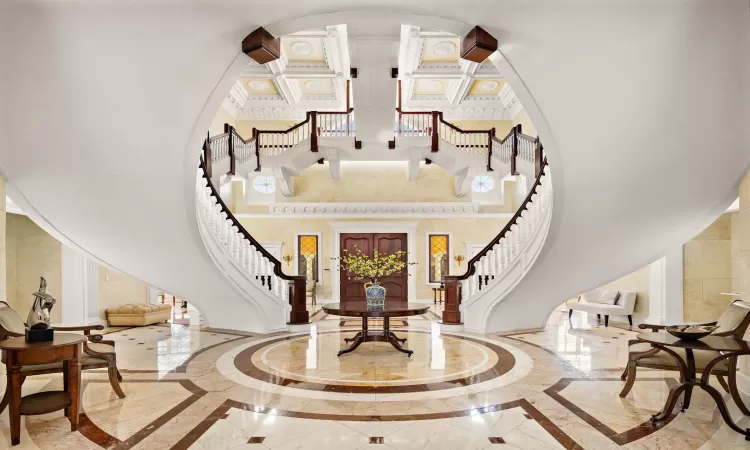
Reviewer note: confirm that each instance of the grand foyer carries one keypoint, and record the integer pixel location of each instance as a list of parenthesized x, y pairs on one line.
[(244, 235)]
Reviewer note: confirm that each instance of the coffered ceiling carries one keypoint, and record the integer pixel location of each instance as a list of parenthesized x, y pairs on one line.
[(434, 78), (314, 66), (310, 75)]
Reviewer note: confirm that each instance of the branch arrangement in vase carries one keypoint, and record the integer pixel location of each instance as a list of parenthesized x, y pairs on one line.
[(373, 268)]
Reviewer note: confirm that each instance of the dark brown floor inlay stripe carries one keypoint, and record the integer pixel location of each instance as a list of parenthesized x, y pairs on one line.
[(256, 440), (626, 437), (243, 362), (376, 440), (496, 440), (193, 435), (95, 434), (182, 368)]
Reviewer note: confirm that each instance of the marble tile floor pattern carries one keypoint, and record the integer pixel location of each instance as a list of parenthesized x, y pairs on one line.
[(202, 389)]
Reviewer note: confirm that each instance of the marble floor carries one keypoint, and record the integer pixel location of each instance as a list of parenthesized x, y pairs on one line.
[(190, 387)]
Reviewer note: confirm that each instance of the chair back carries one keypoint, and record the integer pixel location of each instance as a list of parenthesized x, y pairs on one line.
[(11, 323), (734, 321)]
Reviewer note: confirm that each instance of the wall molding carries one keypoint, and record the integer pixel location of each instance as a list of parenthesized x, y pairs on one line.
[(373, 208)]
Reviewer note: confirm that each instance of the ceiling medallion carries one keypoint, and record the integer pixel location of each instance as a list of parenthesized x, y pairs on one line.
[(302, 48), (488, 85), (433, 85), (444, 48), (258, 85)]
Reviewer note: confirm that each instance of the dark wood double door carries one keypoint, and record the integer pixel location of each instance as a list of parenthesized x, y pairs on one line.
[(395, 285)]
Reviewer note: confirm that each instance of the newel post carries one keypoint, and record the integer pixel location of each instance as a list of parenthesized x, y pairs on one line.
[(230, 130), (451, 312), (298, 301), (538, 156), (314, 131), (514, 156), (490, 137), (207, 155), (435, 137), (256, 136)]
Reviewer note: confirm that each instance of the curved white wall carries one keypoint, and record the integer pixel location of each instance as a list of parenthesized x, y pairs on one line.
[(104, 108)]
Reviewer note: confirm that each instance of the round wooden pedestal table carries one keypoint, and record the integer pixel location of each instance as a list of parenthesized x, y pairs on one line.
[(390, 309), (725, 348), (65, 348)]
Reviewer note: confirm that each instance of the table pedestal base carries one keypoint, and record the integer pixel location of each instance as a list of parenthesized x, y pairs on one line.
[(687, 386), (378, 336)]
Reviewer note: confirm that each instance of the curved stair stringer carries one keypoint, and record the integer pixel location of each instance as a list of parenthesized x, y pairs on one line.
[(242, 261), (274, 309), (476, 310)]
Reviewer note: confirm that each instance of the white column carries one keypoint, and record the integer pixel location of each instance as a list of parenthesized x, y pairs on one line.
[(91, 290), (153, 295), (673, 285), (80, 289), (665, 289), (73, 294)]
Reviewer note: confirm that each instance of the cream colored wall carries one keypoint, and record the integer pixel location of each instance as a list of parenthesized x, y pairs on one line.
[(637, 282), (117, 289), (707, 271), (377, 182), (741, 265), (523, 119), (463, 231), (502, 127), (32, 253), (217, 125)]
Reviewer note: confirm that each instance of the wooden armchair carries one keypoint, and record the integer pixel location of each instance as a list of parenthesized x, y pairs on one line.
[(733, 323), (97, 353)]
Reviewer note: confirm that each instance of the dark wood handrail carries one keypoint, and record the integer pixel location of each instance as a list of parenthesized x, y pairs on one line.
[(307, 119), (275, 262), (471, 268), (450, 125), (351, 110)]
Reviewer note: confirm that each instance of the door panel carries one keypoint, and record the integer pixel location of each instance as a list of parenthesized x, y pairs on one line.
[(353, 289), (395, 285)]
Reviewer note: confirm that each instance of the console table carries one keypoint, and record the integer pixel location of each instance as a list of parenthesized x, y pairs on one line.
[(390, 309), (65, 348)]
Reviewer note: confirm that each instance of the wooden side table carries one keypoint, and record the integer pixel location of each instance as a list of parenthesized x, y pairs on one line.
[(65, 348), (435, 292)]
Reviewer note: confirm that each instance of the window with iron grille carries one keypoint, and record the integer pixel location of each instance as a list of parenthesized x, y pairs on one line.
[(438, 254), (307, 256)]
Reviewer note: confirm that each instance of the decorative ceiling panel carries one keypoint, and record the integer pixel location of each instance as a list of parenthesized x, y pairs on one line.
[(431, 87), (303, 49), (486, 87), (440, 50), (259, 86)]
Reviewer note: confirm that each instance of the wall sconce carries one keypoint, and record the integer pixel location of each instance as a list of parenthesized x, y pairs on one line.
[(458, 259), (288, 259)]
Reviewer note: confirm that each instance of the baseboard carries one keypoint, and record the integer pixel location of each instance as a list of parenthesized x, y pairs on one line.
[(743, 383)]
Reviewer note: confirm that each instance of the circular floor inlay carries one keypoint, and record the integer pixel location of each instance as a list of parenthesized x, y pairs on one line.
[(310, 363), (436, 358)]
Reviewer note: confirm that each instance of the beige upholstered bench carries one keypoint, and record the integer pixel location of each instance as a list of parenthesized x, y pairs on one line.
[(137, 315)]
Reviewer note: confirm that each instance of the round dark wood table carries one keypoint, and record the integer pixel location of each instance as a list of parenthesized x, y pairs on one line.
[(390, 309), (725, 348), (65, 348)]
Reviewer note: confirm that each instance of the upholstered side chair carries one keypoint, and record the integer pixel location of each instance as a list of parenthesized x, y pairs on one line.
[(97, 353), (733, 323)]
